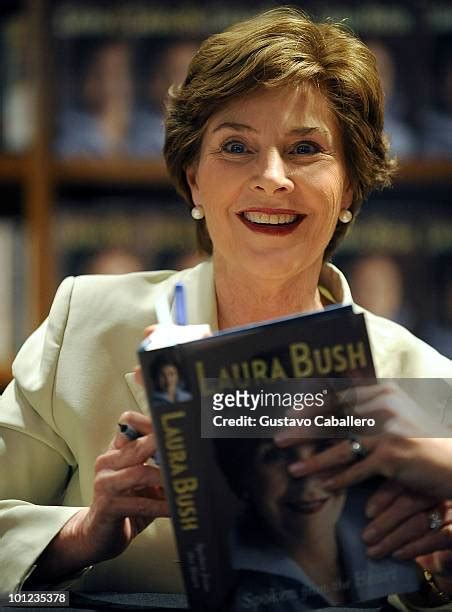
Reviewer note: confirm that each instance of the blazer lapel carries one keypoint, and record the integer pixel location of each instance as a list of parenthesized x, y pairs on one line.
[(201, 308), (138, 393)]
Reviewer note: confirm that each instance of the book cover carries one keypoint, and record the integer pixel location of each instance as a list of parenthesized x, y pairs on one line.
[(250, 537), (18, 95)]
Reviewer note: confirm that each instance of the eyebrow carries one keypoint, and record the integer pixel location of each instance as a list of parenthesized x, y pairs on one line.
[(243, 127)]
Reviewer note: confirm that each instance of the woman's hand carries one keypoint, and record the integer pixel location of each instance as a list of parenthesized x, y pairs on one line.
[(128, 493), (423, 464), (410, 526), (127, 497), (399, 518), (420, 469)]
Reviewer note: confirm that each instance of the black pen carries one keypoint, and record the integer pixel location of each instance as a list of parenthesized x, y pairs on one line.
[(132, 434), (129, 432)]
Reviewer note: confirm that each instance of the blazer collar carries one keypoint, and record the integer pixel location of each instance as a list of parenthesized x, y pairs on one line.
[(202, 304), (201, 298), (333, 280)]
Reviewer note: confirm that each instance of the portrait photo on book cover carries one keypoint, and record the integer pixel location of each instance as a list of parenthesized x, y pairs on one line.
[(294, 545), (168, 385)]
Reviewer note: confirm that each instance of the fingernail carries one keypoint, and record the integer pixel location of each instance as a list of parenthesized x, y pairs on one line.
[(297, 469), (369, 535), (371, 511)]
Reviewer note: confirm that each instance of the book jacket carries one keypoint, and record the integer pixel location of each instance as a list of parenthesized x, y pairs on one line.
[(250, 536)]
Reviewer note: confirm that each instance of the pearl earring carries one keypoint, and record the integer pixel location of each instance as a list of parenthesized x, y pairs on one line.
[(197, 212), (345, 216)]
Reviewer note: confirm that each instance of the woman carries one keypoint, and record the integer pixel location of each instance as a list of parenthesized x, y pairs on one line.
[(167, 383), (275, 138), (285, 537)]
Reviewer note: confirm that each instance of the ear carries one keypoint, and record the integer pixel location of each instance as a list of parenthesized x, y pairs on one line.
[(191, 176)]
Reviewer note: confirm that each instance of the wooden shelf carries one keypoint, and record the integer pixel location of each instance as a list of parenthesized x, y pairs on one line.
[(101, 171), (5, 376), (425, 171), (14, 167)]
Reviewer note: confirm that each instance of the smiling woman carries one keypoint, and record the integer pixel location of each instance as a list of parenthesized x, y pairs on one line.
[(258, 180), (274, 139), (258, 56), (290, 525)]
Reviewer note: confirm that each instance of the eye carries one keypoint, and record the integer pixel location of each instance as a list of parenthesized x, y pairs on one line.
[(234, 146), (306, 148)]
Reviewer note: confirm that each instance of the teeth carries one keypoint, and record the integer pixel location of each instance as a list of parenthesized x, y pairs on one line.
[(272, 219)]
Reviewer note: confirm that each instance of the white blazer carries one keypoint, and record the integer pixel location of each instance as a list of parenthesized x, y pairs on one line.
[(72, 381)]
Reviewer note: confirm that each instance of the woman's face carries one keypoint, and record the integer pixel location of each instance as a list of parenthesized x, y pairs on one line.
[(290, 506), (168, 377), (271, 178)]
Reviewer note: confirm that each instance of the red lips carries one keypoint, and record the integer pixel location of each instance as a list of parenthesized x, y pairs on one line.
[(272, 229)]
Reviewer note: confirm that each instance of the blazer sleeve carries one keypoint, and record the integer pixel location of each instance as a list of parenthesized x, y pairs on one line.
[(35, 462)]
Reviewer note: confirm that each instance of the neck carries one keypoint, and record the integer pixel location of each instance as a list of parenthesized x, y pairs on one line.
[(244, 298)]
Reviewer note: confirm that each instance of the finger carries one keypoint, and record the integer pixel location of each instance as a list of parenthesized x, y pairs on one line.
[(385, 495), (141, 423), (331, 458), (357, 472), (138, 507), (112, 483), (132, 453), (154, 492), (404, 506), (365, 393), (410, 530), (431, 542), (150, 329)]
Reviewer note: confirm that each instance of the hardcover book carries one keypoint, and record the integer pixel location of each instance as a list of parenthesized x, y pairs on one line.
[(250, 536)]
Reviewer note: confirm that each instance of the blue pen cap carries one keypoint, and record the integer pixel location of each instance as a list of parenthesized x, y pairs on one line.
[(180, 304)]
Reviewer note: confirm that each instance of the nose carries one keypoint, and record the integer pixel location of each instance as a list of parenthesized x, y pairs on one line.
[(271, 175)]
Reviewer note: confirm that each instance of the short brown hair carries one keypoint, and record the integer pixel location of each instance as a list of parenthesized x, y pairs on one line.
[(277, 48)]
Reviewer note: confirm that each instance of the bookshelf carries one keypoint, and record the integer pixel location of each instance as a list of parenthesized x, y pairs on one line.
[(5, 376), (38, 175), (14, 168), (111, 171)]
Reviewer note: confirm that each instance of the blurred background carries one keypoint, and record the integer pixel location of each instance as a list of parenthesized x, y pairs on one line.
[(84, 188)]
